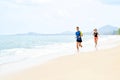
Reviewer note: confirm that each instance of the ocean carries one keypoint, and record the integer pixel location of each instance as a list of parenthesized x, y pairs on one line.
[(31, 41), (20, 51), (13, 45)]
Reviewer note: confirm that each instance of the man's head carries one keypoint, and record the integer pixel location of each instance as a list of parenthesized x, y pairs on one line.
[(77, 28)]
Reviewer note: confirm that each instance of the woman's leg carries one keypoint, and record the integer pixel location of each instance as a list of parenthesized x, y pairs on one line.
[(96, 40)]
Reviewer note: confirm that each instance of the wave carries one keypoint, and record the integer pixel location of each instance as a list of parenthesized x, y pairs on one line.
[(39, 54), (16, 54)]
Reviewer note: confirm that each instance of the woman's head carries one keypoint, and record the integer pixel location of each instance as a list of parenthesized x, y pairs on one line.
[(95, 30)]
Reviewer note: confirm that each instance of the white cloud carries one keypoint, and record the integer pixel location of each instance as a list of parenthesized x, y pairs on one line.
[(58, 15), (41, 1), (32, 1), (19, 1), (110, 2)]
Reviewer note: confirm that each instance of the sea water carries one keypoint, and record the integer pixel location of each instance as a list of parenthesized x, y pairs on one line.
[(20, 51), (18, 47)]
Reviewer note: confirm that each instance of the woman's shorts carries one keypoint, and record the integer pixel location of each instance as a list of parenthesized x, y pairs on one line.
[(95, 38)]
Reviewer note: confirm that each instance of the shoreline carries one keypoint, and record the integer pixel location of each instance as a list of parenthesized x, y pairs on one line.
[(31, 63), (94, 65)]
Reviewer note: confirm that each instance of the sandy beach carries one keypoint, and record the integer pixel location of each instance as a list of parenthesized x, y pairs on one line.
[(95, 65), (59, 39)]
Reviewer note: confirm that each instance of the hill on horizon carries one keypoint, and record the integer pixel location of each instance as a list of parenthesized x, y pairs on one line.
[(108, 30), (104, 30)]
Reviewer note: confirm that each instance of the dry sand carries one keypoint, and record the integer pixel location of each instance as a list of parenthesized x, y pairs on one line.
[(97, 65)]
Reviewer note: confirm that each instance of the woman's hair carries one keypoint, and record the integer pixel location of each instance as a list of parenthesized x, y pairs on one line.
[(95, 29)]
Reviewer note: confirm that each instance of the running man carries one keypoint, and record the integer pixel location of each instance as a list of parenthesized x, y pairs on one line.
[(78, 38)]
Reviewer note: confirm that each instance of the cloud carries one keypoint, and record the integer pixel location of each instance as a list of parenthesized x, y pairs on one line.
[(33, 1), (111, 2), (37, 15), (28, 2)]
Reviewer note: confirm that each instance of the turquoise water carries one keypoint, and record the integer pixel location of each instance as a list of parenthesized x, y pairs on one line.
[(15, 48), (27, 50), (18, 47), (30, 41)]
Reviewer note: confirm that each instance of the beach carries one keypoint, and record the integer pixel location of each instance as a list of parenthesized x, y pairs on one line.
[(93, 65), (60, 40)]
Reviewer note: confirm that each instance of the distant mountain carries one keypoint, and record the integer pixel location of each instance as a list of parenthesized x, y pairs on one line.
[(62, 33), (108, 30), (105, 30), (29, 33)]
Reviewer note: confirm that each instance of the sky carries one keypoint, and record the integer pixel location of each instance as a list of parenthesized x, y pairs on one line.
[(56, 16)]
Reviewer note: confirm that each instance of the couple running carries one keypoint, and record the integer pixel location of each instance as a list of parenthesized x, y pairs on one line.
[(79, 37)]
